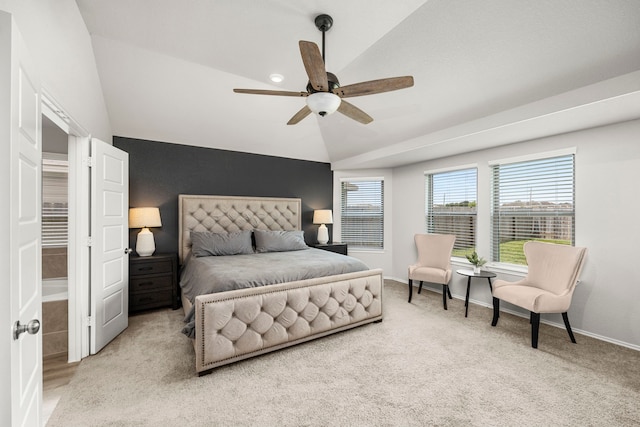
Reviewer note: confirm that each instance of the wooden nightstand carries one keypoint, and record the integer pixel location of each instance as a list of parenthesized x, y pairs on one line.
[(340, 248), (153, 282)]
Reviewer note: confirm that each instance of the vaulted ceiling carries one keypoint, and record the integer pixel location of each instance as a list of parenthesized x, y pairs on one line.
[(486, 73)]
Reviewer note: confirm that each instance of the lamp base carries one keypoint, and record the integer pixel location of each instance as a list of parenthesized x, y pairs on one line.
[(145, 244), (323, 234)]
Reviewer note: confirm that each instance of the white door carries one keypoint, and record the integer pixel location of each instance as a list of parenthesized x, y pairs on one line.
[(21, 152), (109, 243)]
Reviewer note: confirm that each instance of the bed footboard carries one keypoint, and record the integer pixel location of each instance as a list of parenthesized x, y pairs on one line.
[(240, 324)]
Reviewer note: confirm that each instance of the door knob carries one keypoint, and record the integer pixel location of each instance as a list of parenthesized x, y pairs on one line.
[(32, 327), (127, 251)]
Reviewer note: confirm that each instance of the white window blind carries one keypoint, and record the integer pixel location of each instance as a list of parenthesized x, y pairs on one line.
[(55, 207), (532, 200), (362, 213), (451, 207)]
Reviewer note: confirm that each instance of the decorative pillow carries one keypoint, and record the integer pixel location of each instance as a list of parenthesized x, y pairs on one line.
[(207, 243), (279, 241)]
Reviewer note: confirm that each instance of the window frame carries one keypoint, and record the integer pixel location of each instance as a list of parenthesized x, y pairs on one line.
[(495, 203), (428, 207), (345, 237)]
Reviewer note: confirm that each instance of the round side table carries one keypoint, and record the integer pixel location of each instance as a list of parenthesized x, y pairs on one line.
[(470, 274)]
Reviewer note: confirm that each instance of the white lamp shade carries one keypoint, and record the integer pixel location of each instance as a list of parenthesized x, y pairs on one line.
[(323, 216), (323, 102), (144, 217)]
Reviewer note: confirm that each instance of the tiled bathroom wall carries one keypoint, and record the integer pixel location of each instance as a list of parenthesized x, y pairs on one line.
[(54, 263), (55, 335), (54, 313)]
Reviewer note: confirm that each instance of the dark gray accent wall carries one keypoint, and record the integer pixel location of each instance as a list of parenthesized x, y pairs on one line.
[(159, 172)]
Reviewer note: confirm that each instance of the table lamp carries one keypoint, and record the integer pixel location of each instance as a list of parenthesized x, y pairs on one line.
[(322, 217), (144, 218)]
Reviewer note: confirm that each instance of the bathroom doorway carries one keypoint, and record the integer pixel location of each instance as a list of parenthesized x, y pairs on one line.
[(55, 231), (55, 243), (63, 136)]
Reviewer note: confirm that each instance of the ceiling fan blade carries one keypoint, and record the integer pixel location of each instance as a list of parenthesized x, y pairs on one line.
[(304, 112), (314, 65), (354, 113), (374, 86), (270, 92)]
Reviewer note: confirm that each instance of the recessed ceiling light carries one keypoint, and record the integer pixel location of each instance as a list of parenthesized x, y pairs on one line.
[(276, 78)]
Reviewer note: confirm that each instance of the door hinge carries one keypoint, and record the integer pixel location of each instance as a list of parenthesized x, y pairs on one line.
[(89, 241), (89, 162), (87, 322)]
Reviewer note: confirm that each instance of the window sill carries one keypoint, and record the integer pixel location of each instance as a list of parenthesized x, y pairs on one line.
[(365, 250), (510, 269), (495, 267)]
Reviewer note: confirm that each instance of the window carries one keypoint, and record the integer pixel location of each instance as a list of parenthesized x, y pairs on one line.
[(362, 213), (451, 207), (532, 200), (55, 208)]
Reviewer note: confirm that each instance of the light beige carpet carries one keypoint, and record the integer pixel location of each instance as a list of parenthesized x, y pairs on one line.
[(420, 366)]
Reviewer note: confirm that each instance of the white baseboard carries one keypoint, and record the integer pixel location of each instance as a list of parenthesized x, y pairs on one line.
[(524, 315)]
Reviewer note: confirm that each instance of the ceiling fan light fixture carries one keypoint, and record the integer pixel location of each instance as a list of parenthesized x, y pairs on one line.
[(323, 103)]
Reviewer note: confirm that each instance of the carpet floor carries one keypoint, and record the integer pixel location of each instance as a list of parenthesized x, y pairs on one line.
[(420, 366)]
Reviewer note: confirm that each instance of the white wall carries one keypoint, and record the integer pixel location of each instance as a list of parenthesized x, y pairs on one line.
[(59, 43), (373, 258), (606, 304), (54, 139)]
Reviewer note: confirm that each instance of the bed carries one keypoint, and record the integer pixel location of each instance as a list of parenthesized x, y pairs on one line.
[(232, 325)]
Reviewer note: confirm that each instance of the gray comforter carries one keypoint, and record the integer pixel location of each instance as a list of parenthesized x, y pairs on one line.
[(207, 275)]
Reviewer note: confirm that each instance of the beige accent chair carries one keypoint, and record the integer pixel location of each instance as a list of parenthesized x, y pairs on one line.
[(434, 262), (554, 271)]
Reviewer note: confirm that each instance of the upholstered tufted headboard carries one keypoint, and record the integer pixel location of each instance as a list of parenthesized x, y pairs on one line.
[(222, 214)]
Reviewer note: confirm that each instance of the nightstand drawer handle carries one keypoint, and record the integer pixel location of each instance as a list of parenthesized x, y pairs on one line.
[(145, 268), (145, 283)]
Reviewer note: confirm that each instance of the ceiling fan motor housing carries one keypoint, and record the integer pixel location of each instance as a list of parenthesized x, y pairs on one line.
[(332, 80)]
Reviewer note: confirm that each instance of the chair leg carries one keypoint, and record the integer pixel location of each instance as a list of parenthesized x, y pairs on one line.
[(566, 324), (420, 287), (449, 292), (496, 311), (535, 326), (445, 288), (410, 289)]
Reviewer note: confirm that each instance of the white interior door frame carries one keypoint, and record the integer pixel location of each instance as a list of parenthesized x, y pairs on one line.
[(79, 212), (79, 257)]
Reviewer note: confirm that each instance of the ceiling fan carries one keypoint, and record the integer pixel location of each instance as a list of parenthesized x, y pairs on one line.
[(324, 95)]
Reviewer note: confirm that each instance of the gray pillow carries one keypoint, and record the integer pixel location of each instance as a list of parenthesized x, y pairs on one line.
[(279, 241), (207, 243)]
